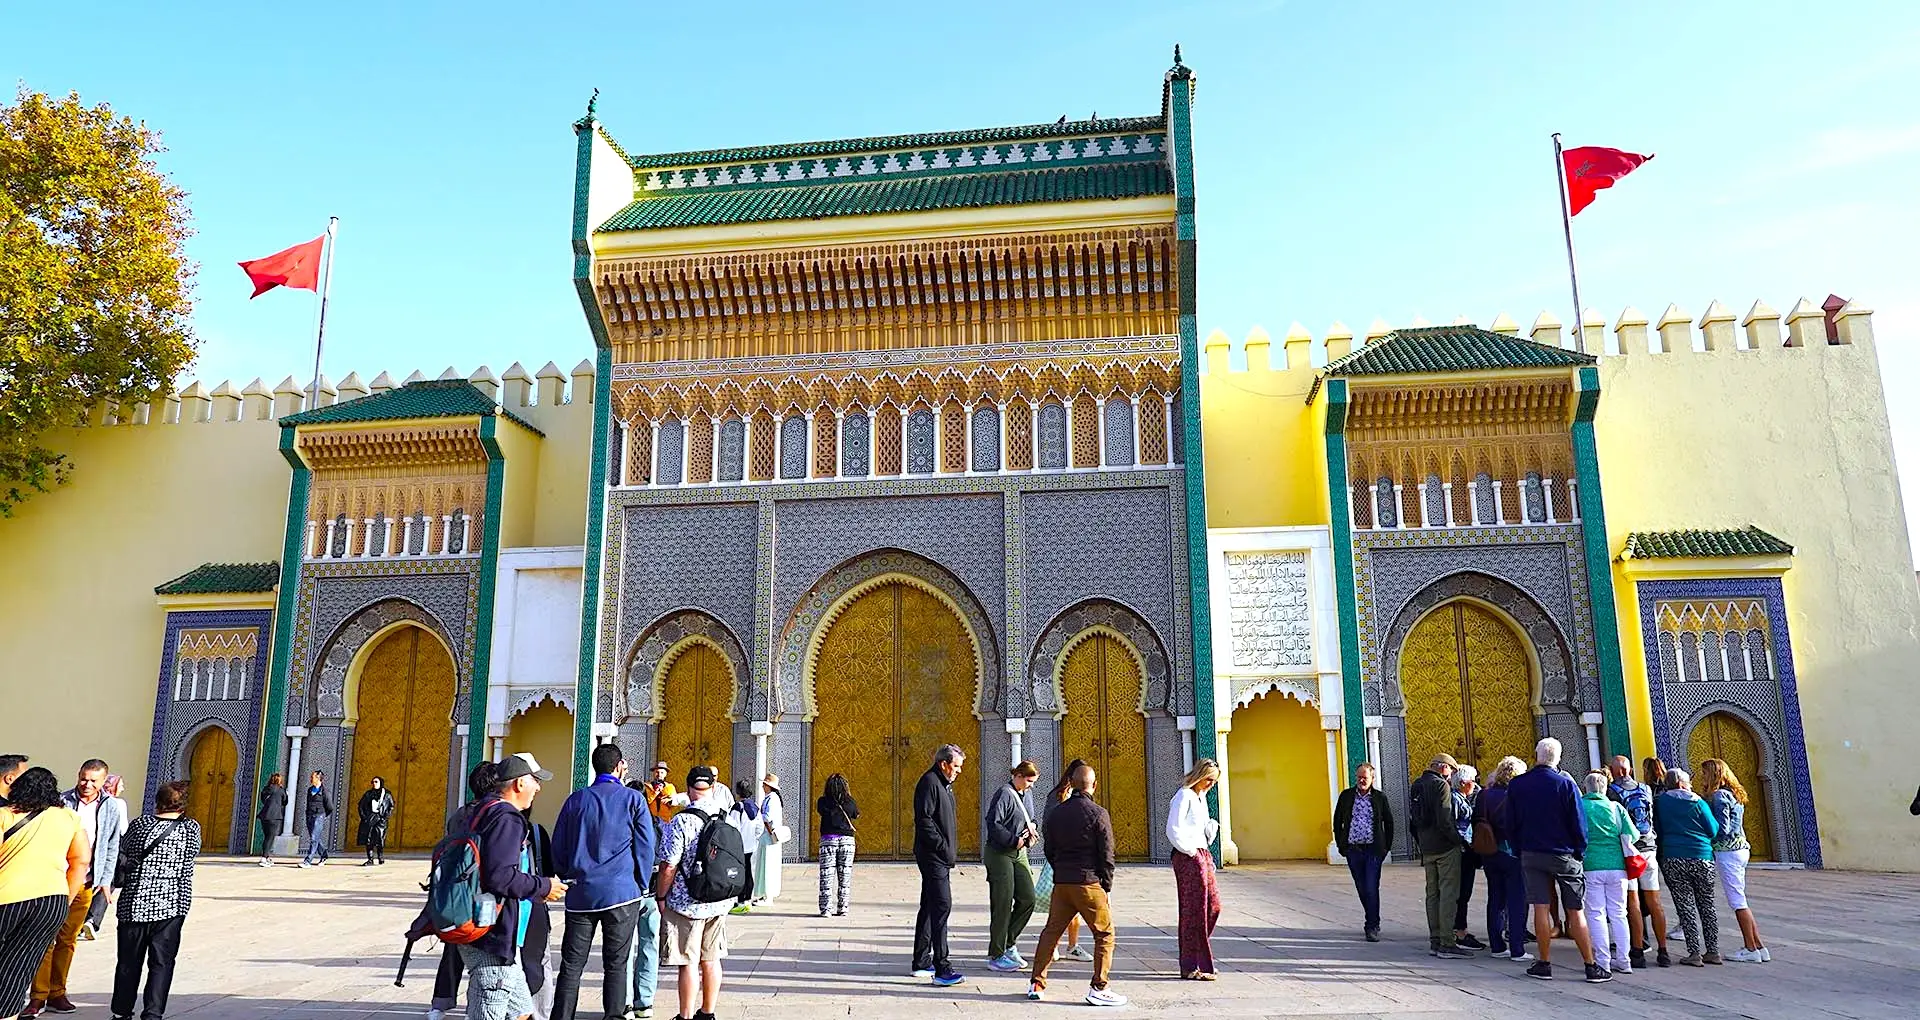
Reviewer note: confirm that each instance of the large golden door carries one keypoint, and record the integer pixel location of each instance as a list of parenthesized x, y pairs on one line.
[(1725, 737), (210, 769), (1100, 689), (697, 696), (1466, 679), (405, 705), (894, 680)]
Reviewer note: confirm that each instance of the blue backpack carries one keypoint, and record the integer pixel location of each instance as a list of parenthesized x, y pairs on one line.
[(1638, 802)]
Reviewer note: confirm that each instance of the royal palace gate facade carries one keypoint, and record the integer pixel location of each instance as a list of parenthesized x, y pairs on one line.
[(894, 455)]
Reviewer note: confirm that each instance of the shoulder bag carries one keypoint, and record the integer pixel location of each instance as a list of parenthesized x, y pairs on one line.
[(129, 862), (17, 826)]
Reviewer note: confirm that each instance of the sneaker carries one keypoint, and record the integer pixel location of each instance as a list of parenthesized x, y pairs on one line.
[(306, 864), (368, 863), (1620, 968), (1077, 953), (1663, 959), (741, 909), (1542, 970), (1713, 958), (1105, 997), (266, 862), (1598, 975), (1453, 953), (1469, 942), (1765, 955), (1033, 991), (436, 1013), (1638, 958), (643, 1013), (823, 913), (34, 1006), (1373, 934), (1692, 960), (949, 979), (1003, 962), (1521, 957), (1017, 958), (923, 972), (839, 913), (1744, 956), (701, 1014), (87, 934), (61, 1004)]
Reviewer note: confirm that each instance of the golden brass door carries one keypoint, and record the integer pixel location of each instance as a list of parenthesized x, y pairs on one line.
[(1100, 689), (697, 697), (894, 680), (210, 799), (1466, 681), (1725, 737), (405, 706)]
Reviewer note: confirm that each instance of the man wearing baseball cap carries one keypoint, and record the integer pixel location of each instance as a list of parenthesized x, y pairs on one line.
[(496, 983), (692, 934), (662, 799)]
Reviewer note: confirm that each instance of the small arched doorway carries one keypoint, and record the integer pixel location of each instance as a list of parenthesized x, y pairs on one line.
[(895, 678), (1724, 736), (404, 704), (1100, 692), (1467, 680), (696, 711), (545, 730), (1278, 774), (210, 767)]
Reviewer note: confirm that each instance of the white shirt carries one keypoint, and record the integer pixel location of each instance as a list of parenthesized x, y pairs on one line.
[(1189, 828), (772, 813), (90, 820)]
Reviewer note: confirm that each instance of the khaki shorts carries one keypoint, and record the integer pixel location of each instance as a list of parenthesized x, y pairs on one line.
[(685, 941)]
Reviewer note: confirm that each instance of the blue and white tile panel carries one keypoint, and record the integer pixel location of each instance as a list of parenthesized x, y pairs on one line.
[(890, 165)]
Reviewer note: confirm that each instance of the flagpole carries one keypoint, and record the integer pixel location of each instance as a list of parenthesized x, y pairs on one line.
[(1566, 225), (326, 286)]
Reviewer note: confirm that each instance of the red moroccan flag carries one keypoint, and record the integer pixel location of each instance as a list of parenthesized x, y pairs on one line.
[(1593, 167), (298, 267)]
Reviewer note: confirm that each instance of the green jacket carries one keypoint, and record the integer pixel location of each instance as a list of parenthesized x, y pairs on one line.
[(1606, 823)]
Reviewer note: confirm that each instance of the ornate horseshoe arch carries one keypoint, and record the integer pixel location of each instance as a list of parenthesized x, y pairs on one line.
[(327, 702), (841, 586), (1550, 649), (665, 640), (1075, 625)]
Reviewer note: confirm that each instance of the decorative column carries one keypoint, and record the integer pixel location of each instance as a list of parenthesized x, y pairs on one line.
[(1374, 723), (604, 732), (1187, 725), (840, 446), (446, 533), (1136, 429), (1446, 501), (288, 843), (713, 433), (1033, 436), (461, 732), (1546, 498), (497, 735), (313, 529), (1016, 730), (1330, 725), (1229, 850), (1473, 502), (1499, 505), (653, 452), (1591, 721), (1168, 402), (1573, 500), (761, 730), (366, 528), (327, 549)]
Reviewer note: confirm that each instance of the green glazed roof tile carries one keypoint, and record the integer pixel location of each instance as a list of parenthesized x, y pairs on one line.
[(434, 398), (920, 194), (1450, 349), (223, 579), (1704, 544), (837, 147)]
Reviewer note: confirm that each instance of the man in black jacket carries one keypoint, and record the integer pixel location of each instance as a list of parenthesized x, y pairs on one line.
[(1436, 834), (1363, 830), (1080, 847), (934, 840)]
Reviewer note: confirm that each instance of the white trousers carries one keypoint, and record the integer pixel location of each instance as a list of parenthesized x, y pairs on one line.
[(1606, 910)]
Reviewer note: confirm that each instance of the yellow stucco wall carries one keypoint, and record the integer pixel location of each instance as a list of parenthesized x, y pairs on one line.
[(1795, 440), (78, 617), (1277, 769), (1265, 465), (560, 482), (546, 730)]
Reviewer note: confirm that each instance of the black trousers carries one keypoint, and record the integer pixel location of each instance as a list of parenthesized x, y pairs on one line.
[(617, 926), (930, 927), (156, 944), (377, 843), (1469, 864)]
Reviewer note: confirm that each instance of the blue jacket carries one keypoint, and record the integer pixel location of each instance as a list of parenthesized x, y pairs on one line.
[(603, 846), (1543, 813)]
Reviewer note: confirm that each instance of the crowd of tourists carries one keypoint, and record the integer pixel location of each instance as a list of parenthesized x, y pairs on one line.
[(1576, 859)]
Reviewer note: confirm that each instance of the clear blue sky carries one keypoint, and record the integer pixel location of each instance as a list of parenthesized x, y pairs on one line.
[(1355, 161)]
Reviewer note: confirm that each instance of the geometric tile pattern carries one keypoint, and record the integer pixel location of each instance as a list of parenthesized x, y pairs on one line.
[(1114, 544), (662, 638), (1059, 638), (672, 557), (177, 724)]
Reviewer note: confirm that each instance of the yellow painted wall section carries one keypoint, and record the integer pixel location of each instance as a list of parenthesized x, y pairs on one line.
[(1795, 440), (1264, 458), (78, 617), (546, 730), (522, 451), (1277, 767), (560, 484)]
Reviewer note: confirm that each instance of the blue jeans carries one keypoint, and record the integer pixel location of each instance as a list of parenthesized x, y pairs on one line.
[(317, 834), (645, 960), (1364, 863), (1506, 904)]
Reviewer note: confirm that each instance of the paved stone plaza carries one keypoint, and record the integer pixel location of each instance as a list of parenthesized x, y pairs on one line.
[(286, 944)]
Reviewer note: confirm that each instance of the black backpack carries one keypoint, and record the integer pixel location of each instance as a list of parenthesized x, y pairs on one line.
[(719, 870), (1422, 813)]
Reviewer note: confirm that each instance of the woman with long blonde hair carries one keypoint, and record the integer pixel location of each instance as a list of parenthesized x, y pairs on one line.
[(1728, 799), (1191, 831)]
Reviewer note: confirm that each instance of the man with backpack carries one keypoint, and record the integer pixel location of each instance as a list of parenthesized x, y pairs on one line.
[(1643, 893), (496, 983), (704, 871), (603, 847), (1436, 834)]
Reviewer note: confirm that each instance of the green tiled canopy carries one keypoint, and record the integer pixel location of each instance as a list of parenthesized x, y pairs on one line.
[(436, 398), (843, 146), (1698, 544), (1421, 349), (223, 579)]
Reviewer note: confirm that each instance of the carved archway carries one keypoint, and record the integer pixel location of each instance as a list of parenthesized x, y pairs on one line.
[(1075, 624), (1550, 648), (664, 640), (841, 586), (328, 701)]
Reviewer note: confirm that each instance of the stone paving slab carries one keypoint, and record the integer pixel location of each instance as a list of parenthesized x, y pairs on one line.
[(287, 944)]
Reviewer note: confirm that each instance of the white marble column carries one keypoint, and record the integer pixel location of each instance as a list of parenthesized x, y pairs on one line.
[(761, 730), (1336, 775), (1374, 723), (1592, 721), (287, 844), (1229, 850), (1016, 731)]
